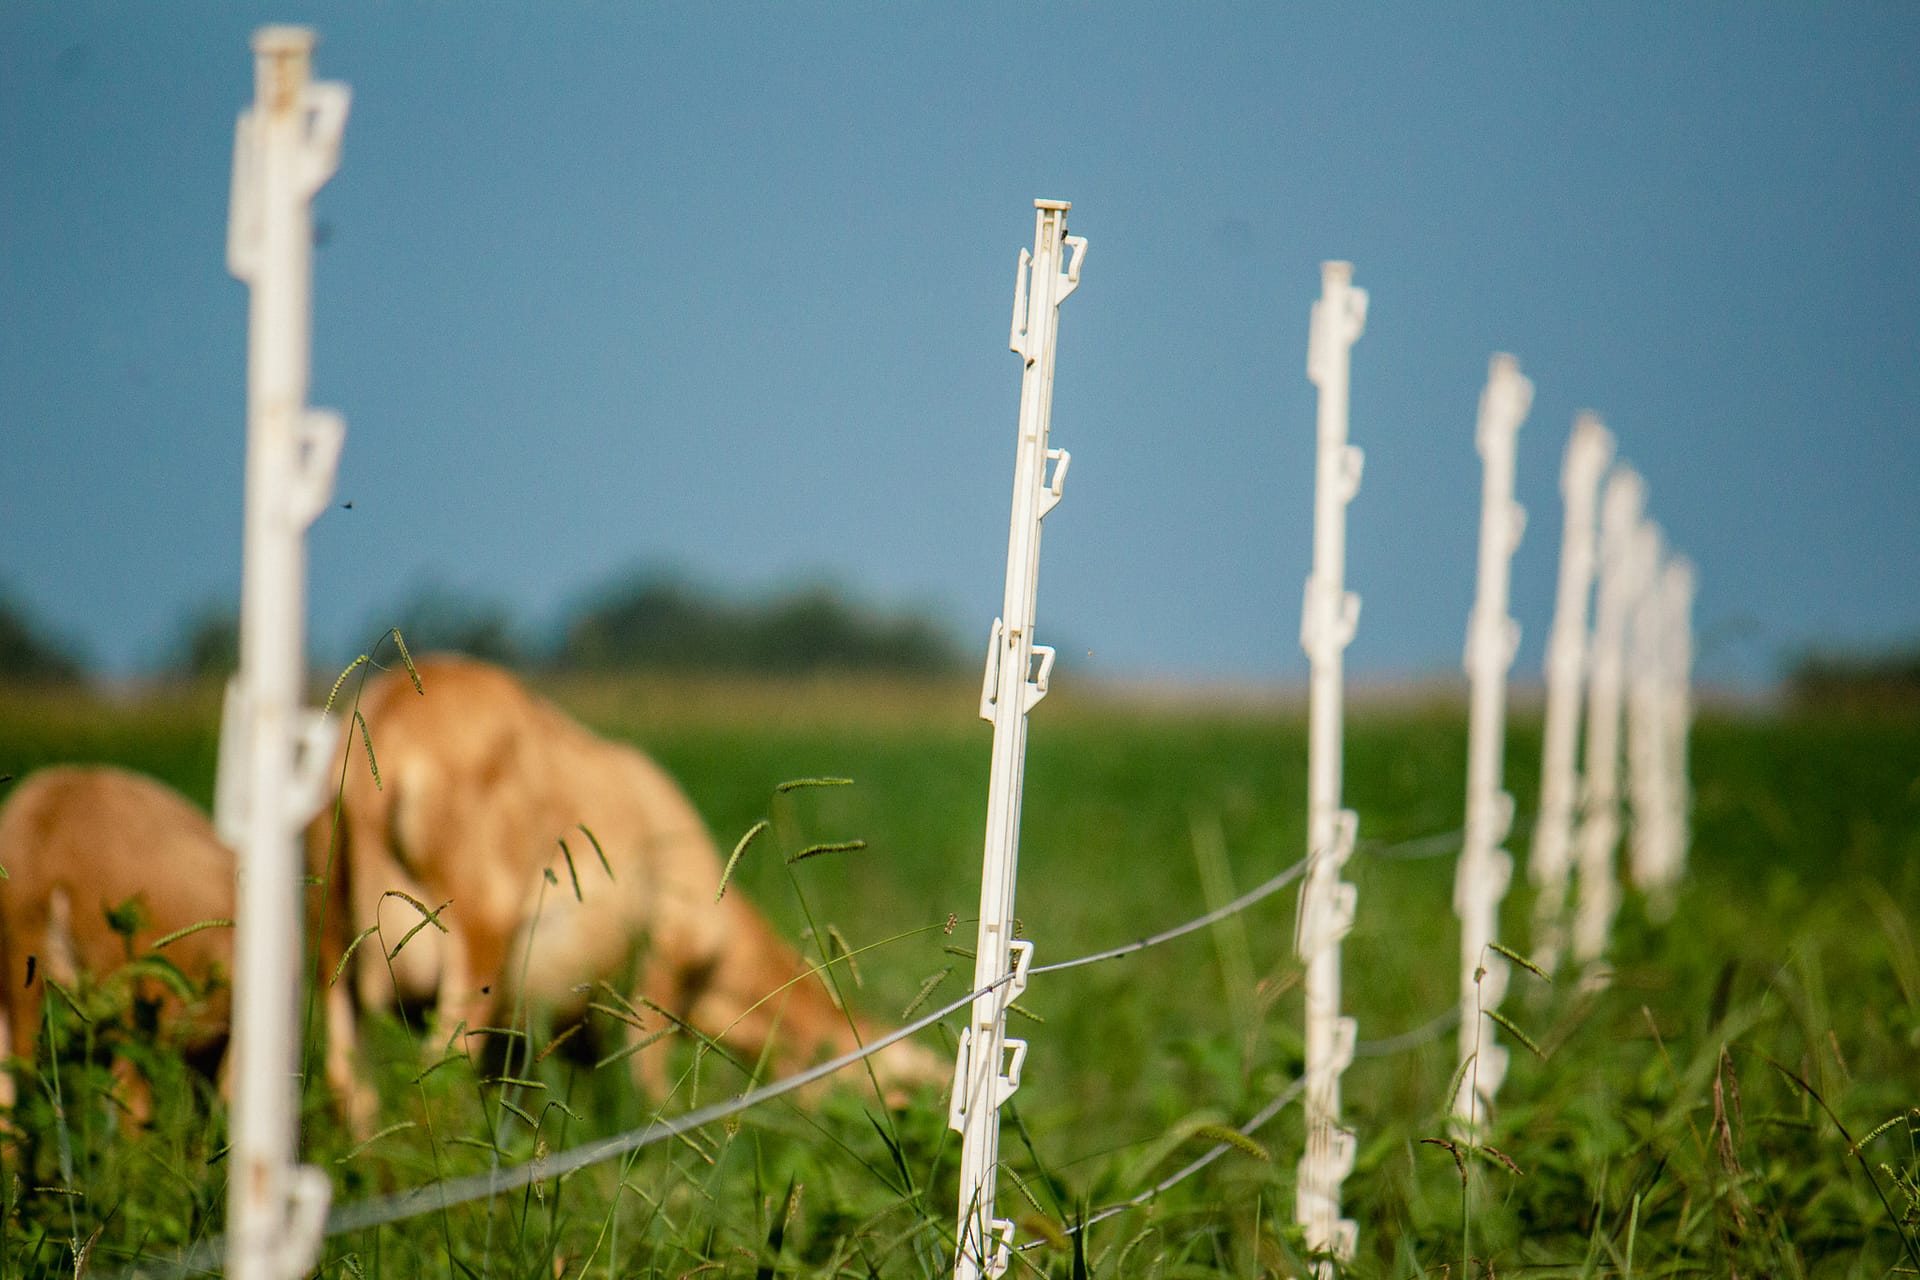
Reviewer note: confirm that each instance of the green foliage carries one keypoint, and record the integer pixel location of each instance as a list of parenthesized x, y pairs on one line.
[(1741, 1098), (28, 655), (173, 736), (208, 647), (85, 1163), (653, 623), (1856, 681), (435, 617)]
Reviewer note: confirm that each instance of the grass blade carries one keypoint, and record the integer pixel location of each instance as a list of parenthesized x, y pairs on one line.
[(738, 849)]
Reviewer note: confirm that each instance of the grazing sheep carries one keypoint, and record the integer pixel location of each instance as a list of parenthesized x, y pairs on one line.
[(479, 783), (80, 842)]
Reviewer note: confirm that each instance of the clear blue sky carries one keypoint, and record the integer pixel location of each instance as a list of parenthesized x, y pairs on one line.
[(726, 287)]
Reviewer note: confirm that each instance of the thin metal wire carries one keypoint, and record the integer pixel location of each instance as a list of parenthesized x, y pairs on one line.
[(1432, 1029), (1239, 904), (1266, 1113), (1432, 846), (399, 1206)]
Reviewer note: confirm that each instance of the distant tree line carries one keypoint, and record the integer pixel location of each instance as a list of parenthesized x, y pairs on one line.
[(28, 653), (1856, 681), (669, 624), (640, 622)]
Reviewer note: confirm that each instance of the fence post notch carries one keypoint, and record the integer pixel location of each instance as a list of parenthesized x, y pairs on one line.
[(273, 752), (989, 1064)]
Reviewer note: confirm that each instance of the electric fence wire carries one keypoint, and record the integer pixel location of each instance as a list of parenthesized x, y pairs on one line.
[(1205, 1158), (1425, 1033), (1239, 904), (1430, 1030), (401, 1205), (1433, 846)]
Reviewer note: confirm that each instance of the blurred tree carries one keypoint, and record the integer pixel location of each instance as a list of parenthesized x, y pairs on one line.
[(660, 621), (208, 647), (644, 621), (434, 617), (28, 655), (1833, 679), (815, 629)]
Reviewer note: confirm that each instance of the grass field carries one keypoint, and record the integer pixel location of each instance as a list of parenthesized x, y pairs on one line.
[(1699, 1116)]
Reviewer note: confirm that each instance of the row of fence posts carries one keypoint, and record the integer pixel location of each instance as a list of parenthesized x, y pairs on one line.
[(273, 751), (1637, 659), (1634, 661)]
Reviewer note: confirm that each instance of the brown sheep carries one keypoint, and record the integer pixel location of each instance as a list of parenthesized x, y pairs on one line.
[(80, 841), (479, 782)]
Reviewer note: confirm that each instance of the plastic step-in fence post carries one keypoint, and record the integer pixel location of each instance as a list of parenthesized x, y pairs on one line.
[(1676, 587), (1329, 613), (273, 752), (1486, 869), (1017, 670), (1550, 860), (1647, 738), (1599, 830)]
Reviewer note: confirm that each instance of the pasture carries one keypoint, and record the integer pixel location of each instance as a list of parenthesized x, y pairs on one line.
[(1744, 1098)]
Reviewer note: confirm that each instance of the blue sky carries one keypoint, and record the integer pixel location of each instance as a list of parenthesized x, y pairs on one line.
[(726, 288)]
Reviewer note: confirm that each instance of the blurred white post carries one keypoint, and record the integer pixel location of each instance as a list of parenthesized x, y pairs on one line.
[(1589, 451), (1599, 830), (1328, 616), (1647, 737), (1676, 587), (274, 752), (1485, 868), (988, 1070)]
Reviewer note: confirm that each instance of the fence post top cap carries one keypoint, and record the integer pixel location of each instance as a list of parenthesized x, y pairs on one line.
[(283, 39), (1062, 205)]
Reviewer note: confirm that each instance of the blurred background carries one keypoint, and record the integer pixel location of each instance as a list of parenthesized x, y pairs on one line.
[(676, 335)]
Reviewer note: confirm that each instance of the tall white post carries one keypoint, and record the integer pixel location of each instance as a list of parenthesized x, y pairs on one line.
[(988, 1070), (1647, 738), (1589, 451), (1677, 586), (1329, 613), (273, 752), (1485, 868), (1599, 830)]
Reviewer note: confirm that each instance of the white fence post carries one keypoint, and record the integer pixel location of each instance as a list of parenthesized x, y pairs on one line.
[(1485, 868), (1599, 831), (273, 752), (1676, 588), (988, 1070), (1589, 451), (1328, 616), (1647, 738)]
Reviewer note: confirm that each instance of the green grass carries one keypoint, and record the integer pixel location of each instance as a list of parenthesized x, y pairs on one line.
[(1687, 1120)]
